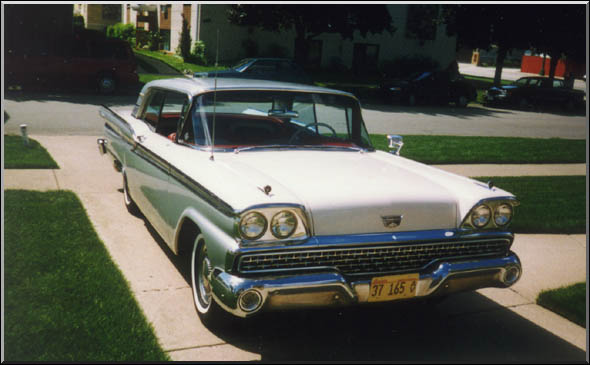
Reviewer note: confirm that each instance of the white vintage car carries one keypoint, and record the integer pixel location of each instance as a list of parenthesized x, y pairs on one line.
[(277, 193)]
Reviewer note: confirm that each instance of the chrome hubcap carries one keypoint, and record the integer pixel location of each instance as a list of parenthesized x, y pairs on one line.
[(204, 267)]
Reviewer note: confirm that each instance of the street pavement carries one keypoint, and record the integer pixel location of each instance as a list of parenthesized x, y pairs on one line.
[(491, 325)]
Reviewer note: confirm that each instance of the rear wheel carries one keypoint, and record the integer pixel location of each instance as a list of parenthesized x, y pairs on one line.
[(106, 83), (129, 203)]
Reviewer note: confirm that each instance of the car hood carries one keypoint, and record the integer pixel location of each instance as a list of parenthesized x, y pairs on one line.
[(351, 192)]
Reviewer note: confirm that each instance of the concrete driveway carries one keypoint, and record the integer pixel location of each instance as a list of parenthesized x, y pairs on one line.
[(490, 325), (62, 114)]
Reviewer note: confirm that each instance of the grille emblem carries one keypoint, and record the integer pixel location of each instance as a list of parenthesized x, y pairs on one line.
[(392, 221)]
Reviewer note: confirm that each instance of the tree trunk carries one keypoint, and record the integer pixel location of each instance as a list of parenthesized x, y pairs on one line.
[(553, 64), (502, 51), (300, 51)]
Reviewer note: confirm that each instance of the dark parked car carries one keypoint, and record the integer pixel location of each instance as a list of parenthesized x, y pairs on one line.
[(536, 91), (430, 87), (102, 64), (275, 69)]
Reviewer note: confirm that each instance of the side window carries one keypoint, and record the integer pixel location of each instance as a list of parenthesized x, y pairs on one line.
[(533, 82), (152, 111), (557, 83), (173, 109)]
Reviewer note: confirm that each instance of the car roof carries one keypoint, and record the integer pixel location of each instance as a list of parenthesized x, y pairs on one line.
[(194, 86)]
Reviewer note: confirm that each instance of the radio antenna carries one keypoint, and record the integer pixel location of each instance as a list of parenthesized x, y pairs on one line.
[(215, 97)]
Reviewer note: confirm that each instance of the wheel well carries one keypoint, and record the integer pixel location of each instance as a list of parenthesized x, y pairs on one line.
[(188, 231)]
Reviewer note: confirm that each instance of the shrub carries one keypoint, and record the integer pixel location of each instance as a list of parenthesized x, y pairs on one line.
[(250, 47), (184, 46), (197, 55), (406, 65), (154, 41), (122, 31), (78, 21)]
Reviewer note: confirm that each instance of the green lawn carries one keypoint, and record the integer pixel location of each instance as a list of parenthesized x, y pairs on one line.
[(18, 156), (548, 204), (64, 299), (175, 61), (501, 150), (145, 78), (570, 302)]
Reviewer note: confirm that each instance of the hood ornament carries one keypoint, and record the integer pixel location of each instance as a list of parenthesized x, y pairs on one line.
[(392, 221)]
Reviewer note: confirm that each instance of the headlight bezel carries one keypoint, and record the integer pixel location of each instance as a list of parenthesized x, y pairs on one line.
[(493, 204), (275, 219), (300, 233)]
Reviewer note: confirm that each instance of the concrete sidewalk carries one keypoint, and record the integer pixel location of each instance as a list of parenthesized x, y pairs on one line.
[(549, 261), (507, 73)]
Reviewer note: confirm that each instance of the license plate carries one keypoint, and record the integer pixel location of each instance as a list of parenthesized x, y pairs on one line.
[(393, 287)]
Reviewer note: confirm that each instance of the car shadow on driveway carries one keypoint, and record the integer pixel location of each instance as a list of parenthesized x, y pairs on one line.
[(465, 327), (78, 96), (480, 331)]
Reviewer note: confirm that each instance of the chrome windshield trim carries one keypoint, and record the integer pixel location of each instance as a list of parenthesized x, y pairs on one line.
[(300, 147)]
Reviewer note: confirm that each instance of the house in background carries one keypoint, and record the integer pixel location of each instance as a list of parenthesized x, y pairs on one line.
[(236, 42)]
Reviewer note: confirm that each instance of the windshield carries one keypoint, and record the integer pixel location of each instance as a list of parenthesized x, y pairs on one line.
[(275, 118), (240, 65)]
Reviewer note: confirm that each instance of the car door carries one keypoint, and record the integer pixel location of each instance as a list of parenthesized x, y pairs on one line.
[(146, 172)]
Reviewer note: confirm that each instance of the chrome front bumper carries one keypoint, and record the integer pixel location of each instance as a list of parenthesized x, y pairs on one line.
[(332, 289)]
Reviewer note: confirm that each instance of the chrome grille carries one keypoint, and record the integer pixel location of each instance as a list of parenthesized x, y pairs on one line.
[(372, 259)]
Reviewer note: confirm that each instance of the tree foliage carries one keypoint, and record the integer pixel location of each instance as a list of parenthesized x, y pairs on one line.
[(557, 29), (309, 21)]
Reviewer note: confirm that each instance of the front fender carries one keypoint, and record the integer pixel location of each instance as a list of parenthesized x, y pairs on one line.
[(219, 243)]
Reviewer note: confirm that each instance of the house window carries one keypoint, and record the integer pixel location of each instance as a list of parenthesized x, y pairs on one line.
[(421, 22), (111, 12), (165, 10)]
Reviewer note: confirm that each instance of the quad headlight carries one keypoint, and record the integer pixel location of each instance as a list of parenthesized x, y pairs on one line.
[(493, 213), (283, 224), (502, 214), (253, 226), (480, 216), (271, 224)]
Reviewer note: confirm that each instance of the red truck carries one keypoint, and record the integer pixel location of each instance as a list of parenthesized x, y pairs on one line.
[(103, 64)]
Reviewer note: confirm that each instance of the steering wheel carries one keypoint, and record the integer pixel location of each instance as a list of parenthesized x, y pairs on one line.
[(296, 134)]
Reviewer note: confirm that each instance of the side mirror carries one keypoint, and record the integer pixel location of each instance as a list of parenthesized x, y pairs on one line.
[(396, 143)]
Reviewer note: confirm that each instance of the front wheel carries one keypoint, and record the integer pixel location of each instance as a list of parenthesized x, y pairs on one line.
[(201, 270), (462, 101), (106, 83)]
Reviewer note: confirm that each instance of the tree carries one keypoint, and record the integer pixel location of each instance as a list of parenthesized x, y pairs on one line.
[(481, 26), (554, 29), (309, 21), (184, 46), (561, 31)]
